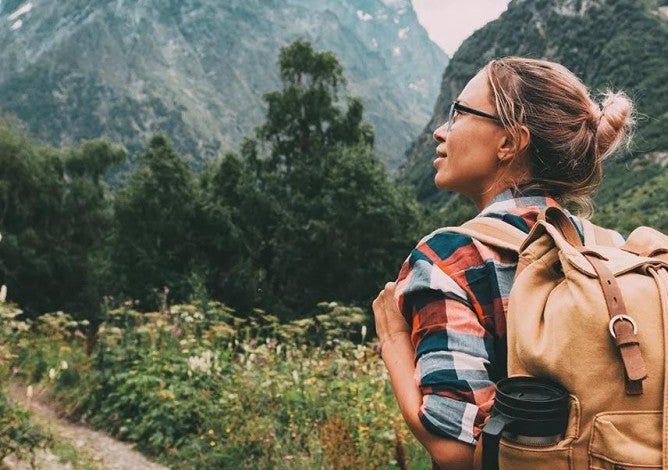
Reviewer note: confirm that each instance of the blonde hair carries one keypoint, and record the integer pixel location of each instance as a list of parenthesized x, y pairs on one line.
[(570, 134)]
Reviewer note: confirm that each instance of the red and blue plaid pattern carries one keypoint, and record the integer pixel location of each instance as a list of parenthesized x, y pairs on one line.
[(453, 291)]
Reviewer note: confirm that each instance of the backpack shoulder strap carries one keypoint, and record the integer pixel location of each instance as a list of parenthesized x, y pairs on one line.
[(492, 231), (595, 235)]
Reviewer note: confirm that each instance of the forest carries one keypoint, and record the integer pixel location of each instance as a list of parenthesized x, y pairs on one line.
[(185, 290)]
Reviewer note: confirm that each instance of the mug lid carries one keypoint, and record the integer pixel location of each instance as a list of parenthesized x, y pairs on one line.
[(533, 395)]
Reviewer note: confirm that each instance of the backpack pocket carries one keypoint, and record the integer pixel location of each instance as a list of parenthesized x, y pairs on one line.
[(626, 440), (513, 456)]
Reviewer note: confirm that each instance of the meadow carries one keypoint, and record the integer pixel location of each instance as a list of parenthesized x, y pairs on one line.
[(200, 385)]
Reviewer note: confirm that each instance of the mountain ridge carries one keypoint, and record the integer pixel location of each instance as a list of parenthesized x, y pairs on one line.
[(197, 69)]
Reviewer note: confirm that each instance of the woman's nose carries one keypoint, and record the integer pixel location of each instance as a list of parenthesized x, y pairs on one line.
[(441, 133)]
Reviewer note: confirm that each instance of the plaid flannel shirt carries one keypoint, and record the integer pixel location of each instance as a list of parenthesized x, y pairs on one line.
[(453, 291)]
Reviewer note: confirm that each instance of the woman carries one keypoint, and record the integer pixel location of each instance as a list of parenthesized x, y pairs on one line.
[(523, 135)]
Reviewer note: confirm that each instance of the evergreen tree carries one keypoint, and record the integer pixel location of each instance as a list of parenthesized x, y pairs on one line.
[(339, 226), (54, 217), (153, 245), (237, 220)]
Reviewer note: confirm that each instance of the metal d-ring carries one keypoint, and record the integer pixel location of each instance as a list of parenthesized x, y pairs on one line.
[(617, 318)]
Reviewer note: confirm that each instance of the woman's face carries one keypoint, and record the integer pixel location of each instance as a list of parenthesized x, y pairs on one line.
[(467, 154)]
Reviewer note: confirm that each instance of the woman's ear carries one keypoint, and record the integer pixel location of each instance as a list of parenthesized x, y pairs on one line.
[(513, 144)]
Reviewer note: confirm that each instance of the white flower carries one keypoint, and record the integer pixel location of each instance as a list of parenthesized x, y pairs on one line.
[(63, 365), (201, 363), (3, 293), (52, 373), (295, 376), (363, 332)]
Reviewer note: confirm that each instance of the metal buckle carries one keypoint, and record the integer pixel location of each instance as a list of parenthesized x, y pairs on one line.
[(617, 318)]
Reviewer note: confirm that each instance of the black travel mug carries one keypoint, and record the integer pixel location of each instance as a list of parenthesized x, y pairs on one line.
[(527, 410)]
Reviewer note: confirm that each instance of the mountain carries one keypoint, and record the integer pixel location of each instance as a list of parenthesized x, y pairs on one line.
[(197, 69), (621, 44)]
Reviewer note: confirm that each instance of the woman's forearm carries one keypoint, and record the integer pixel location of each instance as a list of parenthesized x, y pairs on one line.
[(398, 353)]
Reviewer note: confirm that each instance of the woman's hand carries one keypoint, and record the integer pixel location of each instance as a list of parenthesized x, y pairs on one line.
[(389, 320)]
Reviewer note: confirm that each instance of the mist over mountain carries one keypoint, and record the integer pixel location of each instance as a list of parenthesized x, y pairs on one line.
[(621, 44), (197, 69)]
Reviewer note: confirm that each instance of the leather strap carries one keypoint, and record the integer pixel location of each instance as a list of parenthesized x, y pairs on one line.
[(560, 220), (493, 231), (626, 340)]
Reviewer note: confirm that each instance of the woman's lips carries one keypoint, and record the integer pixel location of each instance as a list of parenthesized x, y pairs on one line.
[(439, 157)]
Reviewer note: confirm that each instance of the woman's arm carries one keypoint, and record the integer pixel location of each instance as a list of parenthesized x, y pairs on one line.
[(399, 357)]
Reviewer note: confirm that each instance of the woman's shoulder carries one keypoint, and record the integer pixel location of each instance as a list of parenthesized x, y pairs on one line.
[(449, 250)]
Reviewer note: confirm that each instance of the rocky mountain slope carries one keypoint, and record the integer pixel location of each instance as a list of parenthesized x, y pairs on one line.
[(197, 69), (621, 44)]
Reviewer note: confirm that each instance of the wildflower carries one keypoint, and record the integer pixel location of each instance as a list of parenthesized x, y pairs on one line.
[(29, 391), (210, 432), (15, 370), (295, 376), (363, 332), (3, 293), (212, 443), (63, 365), (201, 363), (52, 373)]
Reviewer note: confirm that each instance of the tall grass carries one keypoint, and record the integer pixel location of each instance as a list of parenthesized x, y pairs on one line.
[(200, 385)]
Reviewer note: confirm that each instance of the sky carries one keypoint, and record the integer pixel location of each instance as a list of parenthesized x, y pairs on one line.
[(449, 22)]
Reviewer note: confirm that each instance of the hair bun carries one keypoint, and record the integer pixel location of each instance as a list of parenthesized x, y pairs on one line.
[(615, 122)]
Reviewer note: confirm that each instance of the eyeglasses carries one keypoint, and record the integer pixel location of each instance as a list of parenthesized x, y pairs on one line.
[(460, 108)]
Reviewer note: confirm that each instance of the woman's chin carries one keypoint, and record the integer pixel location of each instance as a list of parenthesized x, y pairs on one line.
[(442, 183)]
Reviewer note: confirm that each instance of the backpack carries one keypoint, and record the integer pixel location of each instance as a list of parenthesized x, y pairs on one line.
[(592, 317)]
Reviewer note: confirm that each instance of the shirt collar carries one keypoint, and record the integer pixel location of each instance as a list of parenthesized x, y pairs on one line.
[(513, 198)]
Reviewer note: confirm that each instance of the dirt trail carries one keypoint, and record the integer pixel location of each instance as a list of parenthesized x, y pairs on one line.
[(106, 452)]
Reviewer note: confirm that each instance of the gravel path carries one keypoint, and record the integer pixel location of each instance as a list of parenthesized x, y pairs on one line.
[(106, 452)]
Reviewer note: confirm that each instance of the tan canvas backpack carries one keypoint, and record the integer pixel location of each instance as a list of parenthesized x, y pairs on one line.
[(593, 318)]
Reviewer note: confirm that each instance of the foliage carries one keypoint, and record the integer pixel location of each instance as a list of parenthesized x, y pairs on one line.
[(202, 385), (54, 217), (153, 216), (18, 436), (338, 223)]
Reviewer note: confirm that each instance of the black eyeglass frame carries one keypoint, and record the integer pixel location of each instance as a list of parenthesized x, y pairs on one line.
[(455, 106)]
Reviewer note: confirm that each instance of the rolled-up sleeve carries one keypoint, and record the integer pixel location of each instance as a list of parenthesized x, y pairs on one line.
[(452, 347)]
